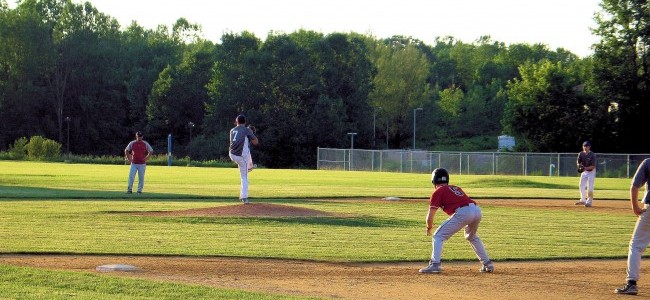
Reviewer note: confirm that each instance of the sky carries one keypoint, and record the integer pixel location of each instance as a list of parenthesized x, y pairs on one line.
[(555, 23)]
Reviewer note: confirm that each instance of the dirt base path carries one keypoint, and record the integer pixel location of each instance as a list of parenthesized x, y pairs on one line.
[(579, 279)]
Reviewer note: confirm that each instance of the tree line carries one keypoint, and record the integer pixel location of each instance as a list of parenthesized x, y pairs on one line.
[(71, 73)]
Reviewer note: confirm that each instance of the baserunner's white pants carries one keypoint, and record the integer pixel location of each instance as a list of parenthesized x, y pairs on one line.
[(468, 217)]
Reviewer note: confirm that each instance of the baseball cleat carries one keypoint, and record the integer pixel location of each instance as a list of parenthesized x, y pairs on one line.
[(244, 200), (581, 202), (628, 289), (587, 204), (489, 268), (431, 268)]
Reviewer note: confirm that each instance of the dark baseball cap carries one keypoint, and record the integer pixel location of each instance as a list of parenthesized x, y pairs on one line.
[(138, 133), (586, 143), (241, 119)]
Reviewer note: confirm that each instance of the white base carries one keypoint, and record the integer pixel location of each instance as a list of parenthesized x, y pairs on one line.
[(117, 267)]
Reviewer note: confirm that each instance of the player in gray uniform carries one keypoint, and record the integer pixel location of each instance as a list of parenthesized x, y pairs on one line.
[(587, 163), (641, 234), (239, 152)]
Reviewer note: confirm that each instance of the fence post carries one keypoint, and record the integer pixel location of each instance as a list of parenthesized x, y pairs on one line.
[(169, 150), (526, 164)]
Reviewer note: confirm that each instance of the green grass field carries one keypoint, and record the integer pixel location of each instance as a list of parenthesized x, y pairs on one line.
[(82, 209)]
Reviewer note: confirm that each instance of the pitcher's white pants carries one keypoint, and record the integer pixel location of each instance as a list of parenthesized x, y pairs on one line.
[(587, 179), (468, 217), (242, 162), (638, 243)]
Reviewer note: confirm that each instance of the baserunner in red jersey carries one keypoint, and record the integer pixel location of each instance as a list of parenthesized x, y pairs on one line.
[(463, 213)]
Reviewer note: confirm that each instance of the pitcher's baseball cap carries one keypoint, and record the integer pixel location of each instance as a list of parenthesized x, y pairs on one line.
[(241, 119), (138, 133), (586, 143)]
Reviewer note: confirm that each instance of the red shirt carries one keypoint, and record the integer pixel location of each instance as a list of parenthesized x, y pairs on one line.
[(139, 151), (449, 198)]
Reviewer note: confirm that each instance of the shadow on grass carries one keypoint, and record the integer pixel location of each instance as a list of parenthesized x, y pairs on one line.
[(352, 221), (509, 183), (37, 193)]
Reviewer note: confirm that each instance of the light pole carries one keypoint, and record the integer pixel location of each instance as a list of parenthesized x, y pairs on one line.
[(414, 115), (351, 134), (67, 120), (374, 127), (387, 134), (190, 124)]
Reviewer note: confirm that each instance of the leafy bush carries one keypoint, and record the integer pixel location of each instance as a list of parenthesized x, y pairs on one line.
[(207, 148), (40, 148), (19, 149)]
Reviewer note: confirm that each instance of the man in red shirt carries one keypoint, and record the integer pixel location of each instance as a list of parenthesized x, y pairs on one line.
[(463, 212), (137, 152)]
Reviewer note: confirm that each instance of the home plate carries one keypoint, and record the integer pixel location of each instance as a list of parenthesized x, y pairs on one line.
[(117, 267)]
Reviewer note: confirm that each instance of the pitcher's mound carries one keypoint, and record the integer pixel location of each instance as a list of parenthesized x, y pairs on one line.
[(244, 210)]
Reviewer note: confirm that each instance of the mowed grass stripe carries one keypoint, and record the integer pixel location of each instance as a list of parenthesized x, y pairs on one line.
[(74, 181), (370, 231), (30, 283)]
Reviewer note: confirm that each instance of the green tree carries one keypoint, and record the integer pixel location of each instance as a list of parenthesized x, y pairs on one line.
[(145, 53), (622, 60), (548, 109), (179, 95), (399, 87), (26, 55), (236, 82)]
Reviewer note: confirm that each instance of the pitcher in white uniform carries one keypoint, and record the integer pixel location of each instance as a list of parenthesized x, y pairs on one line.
[(240, 136)]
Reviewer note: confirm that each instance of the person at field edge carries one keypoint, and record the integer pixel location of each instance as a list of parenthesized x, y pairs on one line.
[(463, 213), (240, 137), (587, 163), (137, 152), (641, 234)]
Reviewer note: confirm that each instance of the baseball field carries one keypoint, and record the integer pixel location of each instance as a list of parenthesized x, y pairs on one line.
[(307, 234)]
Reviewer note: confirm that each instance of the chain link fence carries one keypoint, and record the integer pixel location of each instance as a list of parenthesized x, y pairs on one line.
[(475, 163)]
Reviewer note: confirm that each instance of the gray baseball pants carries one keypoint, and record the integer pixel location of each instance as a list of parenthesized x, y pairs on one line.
[(468, 217)]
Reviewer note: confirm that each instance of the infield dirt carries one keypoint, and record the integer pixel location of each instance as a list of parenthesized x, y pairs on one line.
[(557, 279)]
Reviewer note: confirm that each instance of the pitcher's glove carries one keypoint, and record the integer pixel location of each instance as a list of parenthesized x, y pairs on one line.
[(581, 168), (252, 128)]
